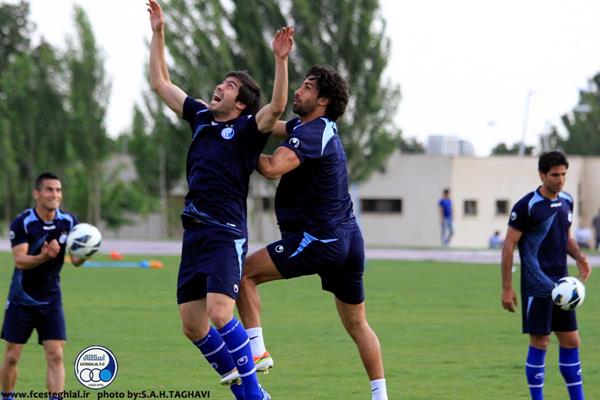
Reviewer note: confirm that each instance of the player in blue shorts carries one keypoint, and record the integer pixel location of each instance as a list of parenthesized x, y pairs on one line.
[(228, 135), (314, 212), (540, 225), (38, 238)]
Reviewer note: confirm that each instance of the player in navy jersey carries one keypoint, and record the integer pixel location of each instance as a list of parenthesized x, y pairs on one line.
[(38, 239), (540, 225), (314, 212), (228, 135)]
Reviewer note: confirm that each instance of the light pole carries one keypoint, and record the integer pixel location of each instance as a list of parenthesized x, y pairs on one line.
[(525, 120)]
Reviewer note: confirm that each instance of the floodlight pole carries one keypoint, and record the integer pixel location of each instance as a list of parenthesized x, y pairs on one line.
[(525, 120)]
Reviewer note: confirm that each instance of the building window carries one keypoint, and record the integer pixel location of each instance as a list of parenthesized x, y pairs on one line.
[(501, 207), (266, 203), (381, 206), (470, 207)]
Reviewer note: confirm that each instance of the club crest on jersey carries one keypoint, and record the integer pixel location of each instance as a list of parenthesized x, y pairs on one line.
[(295, 142), (227, 133), (513, 216), (11, 235), (278, 248)]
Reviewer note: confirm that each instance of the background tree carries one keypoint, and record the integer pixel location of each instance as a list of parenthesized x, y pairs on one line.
[(583, 123), (88, 98), (504, 149)]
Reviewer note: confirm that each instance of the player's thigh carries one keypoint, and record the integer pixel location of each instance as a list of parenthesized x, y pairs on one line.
[(300, 254), (564, 321), (19, 322), (536, 314), (345, 279), (260, 267), (50, 323), (212, 261)]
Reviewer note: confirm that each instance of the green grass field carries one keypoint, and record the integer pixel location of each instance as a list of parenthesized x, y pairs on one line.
[(443, 332)]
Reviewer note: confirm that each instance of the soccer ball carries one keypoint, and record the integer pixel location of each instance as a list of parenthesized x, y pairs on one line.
[(84, 240), (568, 293)]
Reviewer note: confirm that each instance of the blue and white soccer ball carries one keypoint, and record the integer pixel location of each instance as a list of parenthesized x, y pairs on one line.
[(84, 240), (568, 293)]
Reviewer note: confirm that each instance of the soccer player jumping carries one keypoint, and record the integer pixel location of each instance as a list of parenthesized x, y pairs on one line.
[(314, 211), (540, 225), (228, 134)]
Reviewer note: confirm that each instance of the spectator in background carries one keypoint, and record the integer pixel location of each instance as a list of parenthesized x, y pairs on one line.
[(495, 241), (596, 226), (445, 206), (583, 237)]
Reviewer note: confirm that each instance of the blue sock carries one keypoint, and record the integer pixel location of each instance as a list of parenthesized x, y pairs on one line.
[(215, 351), (534, 369), (238, 392), (570, 368), (236, 339), (7, 396)]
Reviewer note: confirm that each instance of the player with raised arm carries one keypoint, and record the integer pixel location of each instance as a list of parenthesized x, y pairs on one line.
[(540, 225), (38, 238), (314, 211), (228, 134)]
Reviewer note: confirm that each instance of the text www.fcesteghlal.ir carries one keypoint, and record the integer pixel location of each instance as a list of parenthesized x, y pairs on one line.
[(128, 394)]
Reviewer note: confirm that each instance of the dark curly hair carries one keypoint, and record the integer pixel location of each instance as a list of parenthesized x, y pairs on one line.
[(332, 86), (249, 93)]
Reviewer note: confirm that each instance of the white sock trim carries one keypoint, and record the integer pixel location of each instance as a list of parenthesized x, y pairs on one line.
[(257, 343)]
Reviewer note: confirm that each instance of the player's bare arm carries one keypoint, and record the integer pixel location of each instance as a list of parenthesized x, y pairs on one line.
[(279, 129), (268, 116), (282, 161), (580, 259), (509, 296), (26, 261), (160, 80)]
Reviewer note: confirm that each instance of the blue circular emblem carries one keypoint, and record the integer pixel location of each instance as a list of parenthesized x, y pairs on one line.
[(96, 367), (227, 133)]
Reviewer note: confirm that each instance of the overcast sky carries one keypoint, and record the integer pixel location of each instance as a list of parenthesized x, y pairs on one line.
[(465, 67)]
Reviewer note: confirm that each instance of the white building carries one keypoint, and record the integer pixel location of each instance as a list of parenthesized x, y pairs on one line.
[(448, 146), (398, 208)]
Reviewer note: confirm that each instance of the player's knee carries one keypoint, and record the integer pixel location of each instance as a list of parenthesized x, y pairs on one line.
[(570, 342), (11, 358), (193, 332), (357, 328), (54, 357), (540, 342)]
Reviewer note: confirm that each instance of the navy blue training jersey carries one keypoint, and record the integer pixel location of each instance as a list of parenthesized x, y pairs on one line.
[(220, 159), (40, 284), (545, 227), (314, 196)]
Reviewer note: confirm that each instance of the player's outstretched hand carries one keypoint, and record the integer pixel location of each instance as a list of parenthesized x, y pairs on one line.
[(283, 42), (157, 18), (584, 268), (509, 299)]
